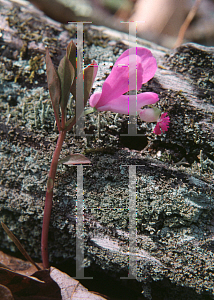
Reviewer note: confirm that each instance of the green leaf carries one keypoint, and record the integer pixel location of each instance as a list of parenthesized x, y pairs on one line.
[(66, 74), (89, 110), (70, 123), (74, 159), (90, 73), (53, 86)]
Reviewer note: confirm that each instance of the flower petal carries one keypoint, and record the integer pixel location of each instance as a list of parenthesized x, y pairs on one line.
[(157, 129), (148, 62), (117, 83), (94, 99), (121, 104), (162, 123)]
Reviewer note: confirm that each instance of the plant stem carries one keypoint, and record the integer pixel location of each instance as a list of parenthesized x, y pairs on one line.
[(63, 120), (48, 199)]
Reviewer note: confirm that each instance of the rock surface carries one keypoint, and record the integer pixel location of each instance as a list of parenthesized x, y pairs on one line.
[(175, 205)]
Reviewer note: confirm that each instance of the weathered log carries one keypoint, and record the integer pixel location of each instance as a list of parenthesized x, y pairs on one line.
[(175, 227)]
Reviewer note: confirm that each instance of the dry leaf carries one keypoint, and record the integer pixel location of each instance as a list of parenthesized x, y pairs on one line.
[(71, 289), (39, 286), (42, 285), (5, 293), (21, 266)]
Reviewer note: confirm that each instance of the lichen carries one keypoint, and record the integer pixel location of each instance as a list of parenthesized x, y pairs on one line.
[(174, 180)]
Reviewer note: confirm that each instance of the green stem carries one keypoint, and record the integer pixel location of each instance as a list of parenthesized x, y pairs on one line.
[(70, 123), (48, 199), (89, 110), (63, 120)]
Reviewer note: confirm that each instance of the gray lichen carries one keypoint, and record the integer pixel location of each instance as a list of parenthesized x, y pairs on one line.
[(174, 180)]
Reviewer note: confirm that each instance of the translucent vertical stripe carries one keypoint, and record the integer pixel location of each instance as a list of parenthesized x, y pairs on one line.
[(132, 224)]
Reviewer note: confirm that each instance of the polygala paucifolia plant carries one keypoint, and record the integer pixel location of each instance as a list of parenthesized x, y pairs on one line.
[(63, 82)]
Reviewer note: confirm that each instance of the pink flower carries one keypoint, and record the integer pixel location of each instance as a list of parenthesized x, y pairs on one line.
[(162, 123), (112, 97)]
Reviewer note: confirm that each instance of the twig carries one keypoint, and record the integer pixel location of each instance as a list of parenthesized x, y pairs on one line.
[(186, 23), (18, 245)]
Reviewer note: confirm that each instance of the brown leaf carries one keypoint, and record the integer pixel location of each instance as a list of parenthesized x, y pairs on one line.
[(16, 282), (90, 73), (74, 159), (42, 285), (5, 293), (70, 288), (39, 286), (19, 265), (71, 53), (53, 86), (66, 75)]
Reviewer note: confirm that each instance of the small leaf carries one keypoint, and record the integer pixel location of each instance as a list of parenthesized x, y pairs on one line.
[(74, 159), (72, 289), (53, 86), (66, 74), (90, 73), (71, 53)]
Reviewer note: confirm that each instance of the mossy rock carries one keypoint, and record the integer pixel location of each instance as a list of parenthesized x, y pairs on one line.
[(174, 173)]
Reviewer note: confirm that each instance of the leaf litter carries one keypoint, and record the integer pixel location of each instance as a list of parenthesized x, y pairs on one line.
[(25, 280)]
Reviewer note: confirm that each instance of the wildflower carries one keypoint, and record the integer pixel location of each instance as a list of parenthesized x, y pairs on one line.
[(112, 97), (163, 123)]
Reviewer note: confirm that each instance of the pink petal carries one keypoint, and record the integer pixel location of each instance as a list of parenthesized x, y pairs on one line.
[(93, 100), (163, 123), (117, 83), (121, 104), (157, 129), (95, 65), (148, 62)]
